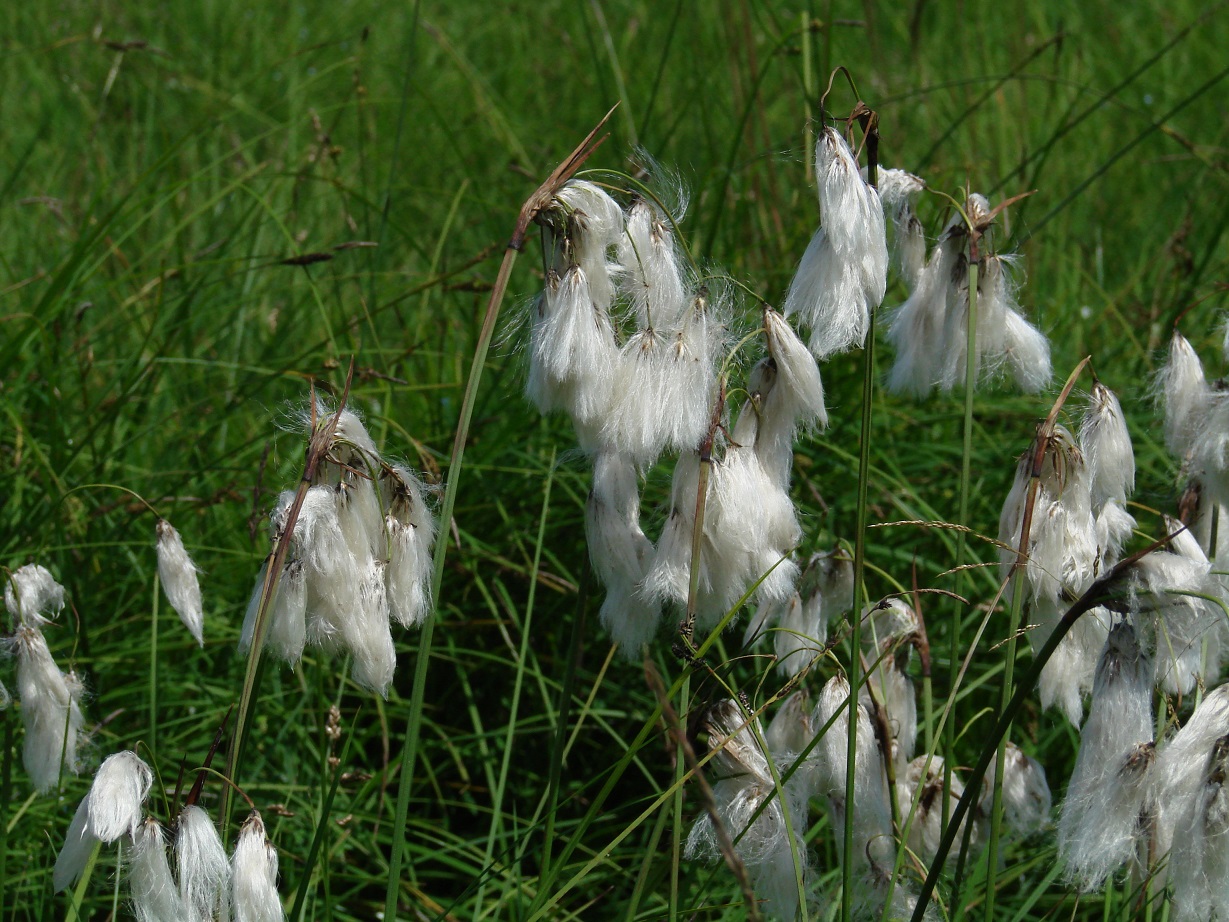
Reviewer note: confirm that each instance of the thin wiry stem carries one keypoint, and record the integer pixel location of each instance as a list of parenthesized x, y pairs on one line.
[(540, 199), (855, 635)]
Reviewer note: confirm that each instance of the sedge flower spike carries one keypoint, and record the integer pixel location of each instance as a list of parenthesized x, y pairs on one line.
[(359, 557), (254, 875), (178, 575), (755, 823), (111, 809), (32, 596), (201, 865), (842, 276), (1181, 772), (50, 710), (1099, 826), (155, 895)]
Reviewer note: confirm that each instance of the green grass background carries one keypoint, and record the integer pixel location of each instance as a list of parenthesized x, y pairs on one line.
[(158, 166)]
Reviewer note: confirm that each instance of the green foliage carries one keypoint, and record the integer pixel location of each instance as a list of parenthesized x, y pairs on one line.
[(170, 176)]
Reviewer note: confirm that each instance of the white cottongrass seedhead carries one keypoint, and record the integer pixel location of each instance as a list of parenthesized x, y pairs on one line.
[(842, 276), (1026, 799), (32, 596), (50, 710), (1106, 444), (1176, 598), (254, 895), (411, 537), (155, 895), (1071, 542), (930, 331), (201, 865), (874, 850), (651, 268), (111, 809), (798, 624), (1199, 861), (791, 395), (1184, 393), (179, 580), (1099, 829), (358, 557), (620, 551), (572, 351), (916, 328), (1181, 767), (742, 787), (886, 629), (920, 790), (897, 190), (79, 842)]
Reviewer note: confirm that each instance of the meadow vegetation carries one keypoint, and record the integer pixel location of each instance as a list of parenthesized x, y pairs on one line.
[(208, 214)]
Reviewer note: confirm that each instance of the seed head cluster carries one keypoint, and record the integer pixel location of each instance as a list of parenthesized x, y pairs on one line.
[(357, 555)]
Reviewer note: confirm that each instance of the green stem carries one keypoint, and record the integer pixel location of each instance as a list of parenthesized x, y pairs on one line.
[(153, 670), (855, 637), (962, 518), (563, 715), (409, 750), (1104, 590), (533, 206), (501, 786)]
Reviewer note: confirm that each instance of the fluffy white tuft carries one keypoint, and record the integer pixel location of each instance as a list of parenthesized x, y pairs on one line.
[(200, 861), (50, 710), (111, 809), (32, 596), (254, 895), (920, 790), (842, 276), (1181, 769), (1099, 830), (650, 268), (743, 789), (620, 551), (1026, 792), (1106, 445), (874, 849), (178, 575), (915, 329), (1184, 393), (411, 537), (79, 842), (155, 896)]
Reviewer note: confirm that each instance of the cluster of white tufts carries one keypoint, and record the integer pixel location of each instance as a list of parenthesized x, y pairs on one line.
[(798, 624), (1077, 525), (1158, 808), (843, 274), (204, 886), (358, 555), (929, 331), (50, 699), (896, 797), (630, 347)]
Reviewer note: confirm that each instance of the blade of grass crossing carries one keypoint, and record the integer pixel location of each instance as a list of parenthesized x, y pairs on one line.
[(518, 682)]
